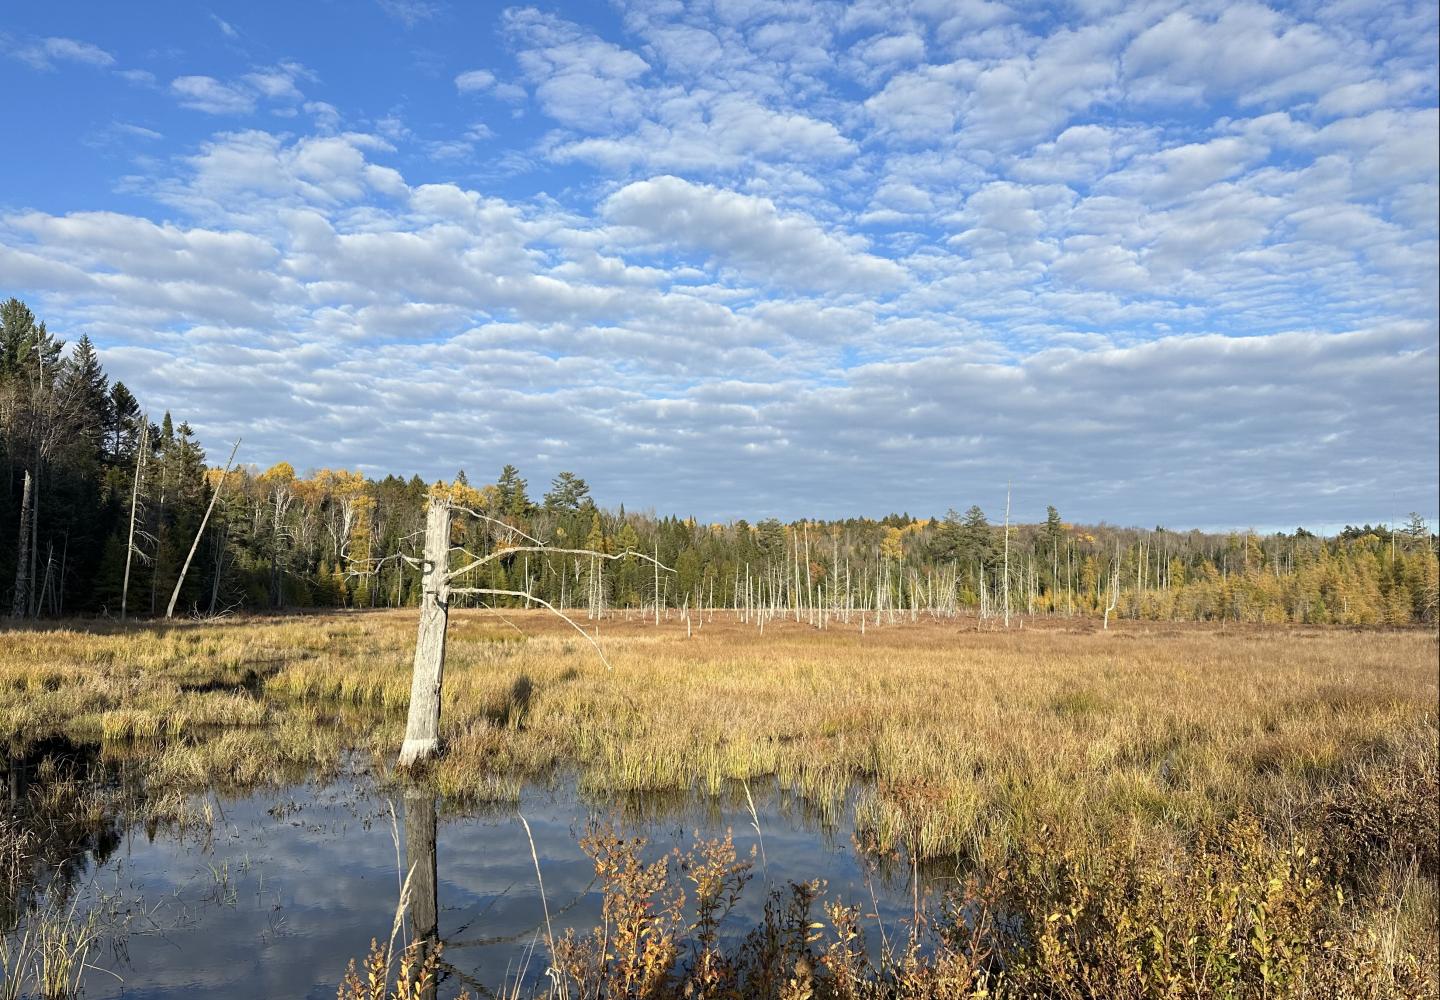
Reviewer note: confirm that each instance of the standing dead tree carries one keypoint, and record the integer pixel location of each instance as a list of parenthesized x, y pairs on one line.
[(1114, 587), (1007, 555), (131, 548), (180, 582), (422, 728), (22, 562)]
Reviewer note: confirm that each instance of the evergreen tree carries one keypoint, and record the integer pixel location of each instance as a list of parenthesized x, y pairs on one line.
[(86, 388), (977, 548), (772, 537), (512, 499), (568, 494), (945, 546), (1055, 529), (123, 432), (596, 541)]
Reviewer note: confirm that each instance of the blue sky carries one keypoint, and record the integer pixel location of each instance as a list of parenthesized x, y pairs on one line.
[(1152, 262)]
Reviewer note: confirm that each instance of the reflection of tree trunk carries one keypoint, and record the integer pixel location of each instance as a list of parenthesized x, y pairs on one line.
[(420, 856)]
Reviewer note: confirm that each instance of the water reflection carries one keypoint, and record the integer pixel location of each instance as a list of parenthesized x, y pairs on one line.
[(54, 827), (424, 908), (292, 883)]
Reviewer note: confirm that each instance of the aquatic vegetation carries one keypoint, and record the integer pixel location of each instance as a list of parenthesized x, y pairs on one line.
[(418, 969), (47, 955), (1234, 916)]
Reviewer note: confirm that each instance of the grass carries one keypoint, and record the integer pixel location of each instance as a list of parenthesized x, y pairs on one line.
[(47, 956), (966, 742)]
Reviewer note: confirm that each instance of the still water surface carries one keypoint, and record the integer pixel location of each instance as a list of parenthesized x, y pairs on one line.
[(290, 883)]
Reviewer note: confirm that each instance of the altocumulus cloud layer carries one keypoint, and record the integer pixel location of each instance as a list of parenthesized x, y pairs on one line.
[(1153, 262)]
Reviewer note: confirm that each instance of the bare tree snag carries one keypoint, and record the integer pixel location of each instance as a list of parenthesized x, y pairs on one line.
[(1114, 587), (21, 604), (34, 535), (422, 730), (1007, 555), (175, 594), (134, 503)]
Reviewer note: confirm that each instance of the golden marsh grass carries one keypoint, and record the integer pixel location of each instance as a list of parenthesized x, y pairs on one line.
[(1056, 747), (962, 737)]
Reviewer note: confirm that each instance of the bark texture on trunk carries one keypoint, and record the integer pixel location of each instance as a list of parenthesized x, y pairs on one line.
[(422, 730)]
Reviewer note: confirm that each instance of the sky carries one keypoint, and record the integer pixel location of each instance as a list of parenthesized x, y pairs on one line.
[(1153, 263)]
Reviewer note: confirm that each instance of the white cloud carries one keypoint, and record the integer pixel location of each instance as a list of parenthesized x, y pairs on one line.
[(275, 85), (410, 12), (1161, 177), (205, 93), (139, 131), (1249, 51), (860, 251), (749, 234), (721, 132), (474, 80), (45, 53), (922, 104), (138, 77), (580, 80)]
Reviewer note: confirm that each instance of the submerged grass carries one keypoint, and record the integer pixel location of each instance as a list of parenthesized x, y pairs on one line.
[(1142, 742)]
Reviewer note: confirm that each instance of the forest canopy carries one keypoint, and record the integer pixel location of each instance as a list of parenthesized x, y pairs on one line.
[(96, 491)]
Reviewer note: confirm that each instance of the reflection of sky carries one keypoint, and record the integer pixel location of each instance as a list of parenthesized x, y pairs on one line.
[(311, 883)]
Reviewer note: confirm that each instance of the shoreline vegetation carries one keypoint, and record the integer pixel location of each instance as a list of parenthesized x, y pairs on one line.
[(1148, 809)]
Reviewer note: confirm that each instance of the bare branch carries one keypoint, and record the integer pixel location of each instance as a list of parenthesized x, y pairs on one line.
[(543, 603), (497, 521), (501, 553), (376, 565)]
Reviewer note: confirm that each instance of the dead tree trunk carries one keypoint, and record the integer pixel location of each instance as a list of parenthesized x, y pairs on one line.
[(1114, 587), (180, 582), (21, 604), (134, 502), (422, 730), (1007, 555), (34, 535), (220, 544)]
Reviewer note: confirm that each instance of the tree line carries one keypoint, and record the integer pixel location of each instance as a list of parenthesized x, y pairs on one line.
[(102, 505)]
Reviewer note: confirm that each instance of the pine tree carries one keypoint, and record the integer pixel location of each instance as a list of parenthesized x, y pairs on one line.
[(513, 500), (87, 389), (945, 546), (123, 432), (977, 541), (1054, 528), (595, 541), (569, 494)]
